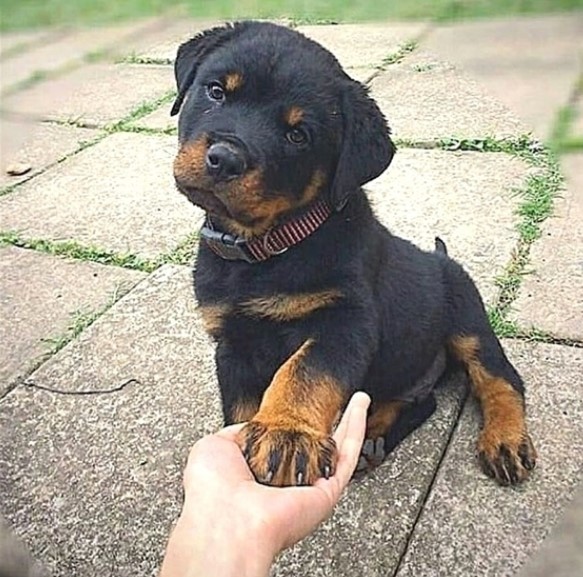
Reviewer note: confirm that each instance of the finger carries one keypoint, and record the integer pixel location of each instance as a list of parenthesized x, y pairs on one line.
[(360, 398), (230, 432), (304, 508), (209, 443), (217, 454), (349, 437)]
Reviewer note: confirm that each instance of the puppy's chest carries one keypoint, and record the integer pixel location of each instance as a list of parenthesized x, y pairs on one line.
[(251, 316)]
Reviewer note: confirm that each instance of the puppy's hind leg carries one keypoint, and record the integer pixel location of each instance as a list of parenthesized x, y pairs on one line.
[(505, 450), (390, 422)]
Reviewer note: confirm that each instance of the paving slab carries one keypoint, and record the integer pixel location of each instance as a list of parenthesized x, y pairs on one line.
[(577, 128), (15, 560), (429, 193), (369, 529), (124, 451), (162, 44), (67, 49), (551, 296), (471, 526), (160, 119), (92, 483), (39, 295), (424, 98), (528, 63), (14, 43), (357, 45), (96, 94), (38, 145), (363, 74), (561, 554), (117, 195)]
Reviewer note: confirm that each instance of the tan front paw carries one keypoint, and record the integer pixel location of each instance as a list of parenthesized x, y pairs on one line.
[(278, 456)]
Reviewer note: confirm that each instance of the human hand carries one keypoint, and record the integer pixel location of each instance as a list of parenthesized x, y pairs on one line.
[(230, 524)]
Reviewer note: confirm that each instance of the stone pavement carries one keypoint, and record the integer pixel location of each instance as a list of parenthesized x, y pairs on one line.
[(106, 377)]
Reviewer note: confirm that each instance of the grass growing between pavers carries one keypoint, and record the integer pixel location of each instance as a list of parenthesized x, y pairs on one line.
[(123, 125), (134, 58), (536, 205), (39, 76), (83, 318), (562, 139), (82, 145), (74, 250), (399, 55), (30, 13), (80, 320), (127, 124), (182, 254)]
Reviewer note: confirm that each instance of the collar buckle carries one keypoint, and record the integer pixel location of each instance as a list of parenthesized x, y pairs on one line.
[(275, 241), (226, 245)]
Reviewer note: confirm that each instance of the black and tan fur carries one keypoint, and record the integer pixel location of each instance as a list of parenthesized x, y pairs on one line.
[(269, 124)]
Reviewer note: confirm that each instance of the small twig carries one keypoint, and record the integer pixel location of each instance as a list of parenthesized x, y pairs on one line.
[(80, 393)]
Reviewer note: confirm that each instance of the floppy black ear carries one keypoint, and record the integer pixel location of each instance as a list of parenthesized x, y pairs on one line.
[(367, 149), (193, 52)]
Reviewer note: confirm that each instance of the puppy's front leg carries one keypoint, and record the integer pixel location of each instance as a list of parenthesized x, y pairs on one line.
[(289, 441)]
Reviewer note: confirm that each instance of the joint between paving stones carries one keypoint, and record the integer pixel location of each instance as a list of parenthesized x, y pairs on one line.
[(39, 76), (84, 144), (180, 255), (145, 60), (124, 125), (522, 144), (562, 139), (77, 251), (81, 320), (26, 45), (538, 195), (428, 491), (396, 57)]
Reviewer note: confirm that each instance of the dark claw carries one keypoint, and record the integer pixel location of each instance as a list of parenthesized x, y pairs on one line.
[(327, 472), (273, 464), (301, 465), (509, 465), (526, 457), (486, 465)]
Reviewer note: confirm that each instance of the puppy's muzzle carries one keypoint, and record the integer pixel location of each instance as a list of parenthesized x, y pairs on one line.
[(224, 162)]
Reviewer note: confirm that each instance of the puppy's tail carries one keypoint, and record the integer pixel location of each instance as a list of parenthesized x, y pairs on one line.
[(440, 246)]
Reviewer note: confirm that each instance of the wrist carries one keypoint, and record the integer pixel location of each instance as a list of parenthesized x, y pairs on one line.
[(222, 548)]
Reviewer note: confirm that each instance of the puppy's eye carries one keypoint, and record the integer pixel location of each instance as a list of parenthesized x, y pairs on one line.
[(215, 91), (297, 136)]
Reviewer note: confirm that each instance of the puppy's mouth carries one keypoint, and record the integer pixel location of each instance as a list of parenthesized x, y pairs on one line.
[(206, 199)]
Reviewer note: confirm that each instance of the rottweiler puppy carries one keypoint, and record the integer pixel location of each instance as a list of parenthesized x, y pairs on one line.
[(308, 297)]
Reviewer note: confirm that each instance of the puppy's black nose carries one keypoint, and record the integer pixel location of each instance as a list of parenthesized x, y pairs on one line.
[(224, 163)]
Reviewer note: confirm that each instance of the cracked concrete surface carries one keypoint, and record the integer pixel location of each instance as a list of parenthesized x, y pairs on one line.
[(93, 442)]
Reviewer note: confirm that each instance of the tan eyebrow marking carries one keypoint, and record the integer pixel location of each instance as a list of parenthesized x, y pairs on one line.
[(233, 81), (294, 115)]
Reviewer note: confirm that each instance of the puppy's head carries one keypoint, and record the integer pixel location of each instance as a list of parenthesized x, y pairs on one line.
[(268, 123)]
